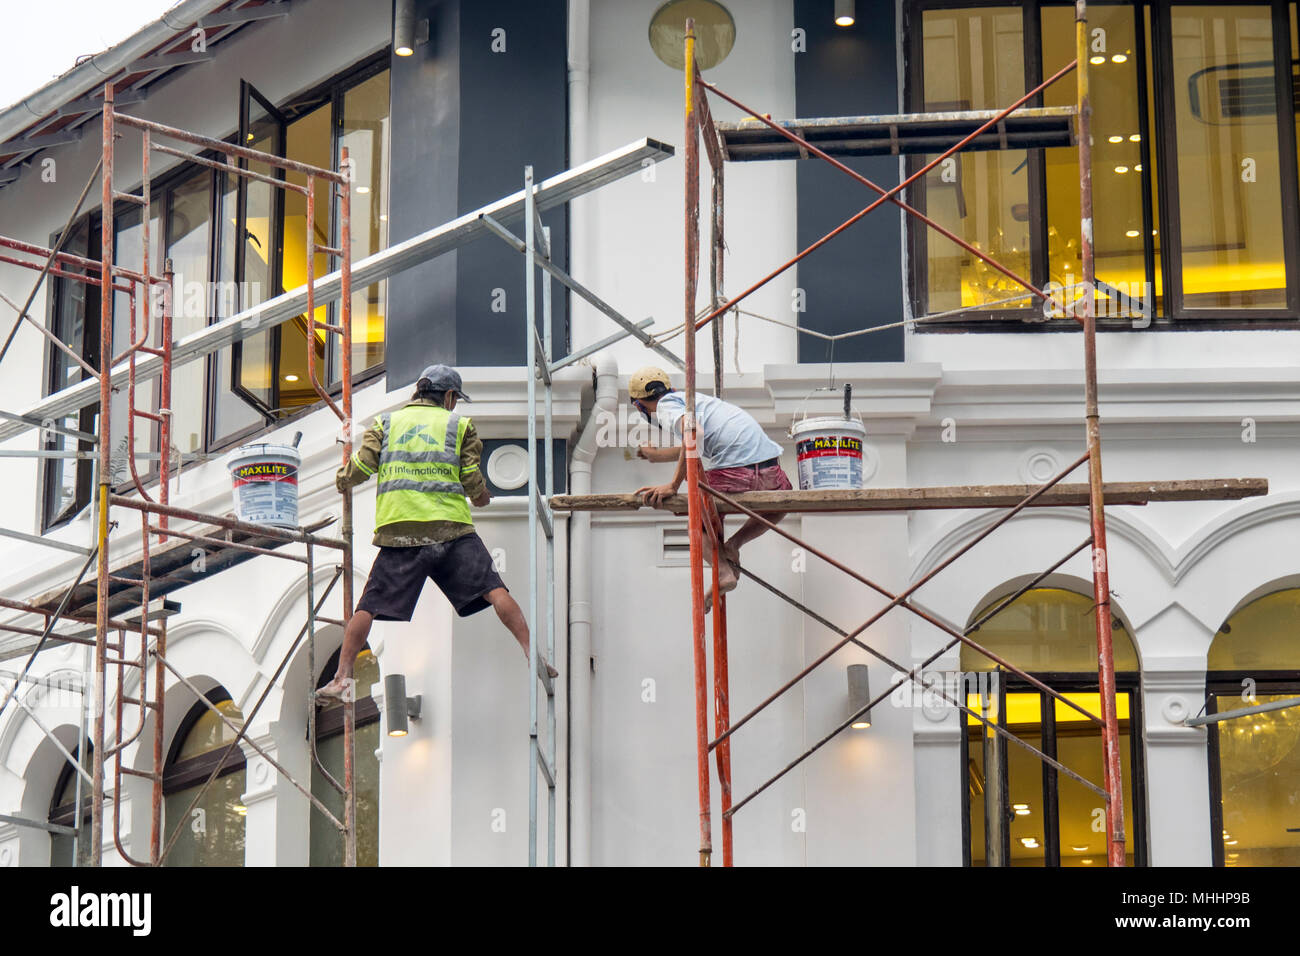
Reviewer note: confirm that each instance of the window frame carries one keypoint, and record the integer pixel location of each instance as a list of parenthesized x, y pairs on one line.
[(1229, 684), (1173, 316), (1135, 817), (333, 89)]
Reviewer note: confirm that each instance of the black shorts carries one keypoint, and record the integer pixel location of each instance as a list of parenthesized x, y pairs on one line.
[(462, 568)]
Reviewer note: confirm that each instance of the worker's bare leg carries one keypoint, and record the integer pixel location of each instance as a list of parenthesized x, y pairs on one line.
[(354, 638), (512, 616), (748, 531), (726, 573)]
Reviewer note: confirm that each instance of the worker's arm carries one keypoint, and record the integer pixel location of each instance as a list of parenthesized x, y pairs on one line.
[(364, 461), (471, 479), (654, 495), (658, 453)]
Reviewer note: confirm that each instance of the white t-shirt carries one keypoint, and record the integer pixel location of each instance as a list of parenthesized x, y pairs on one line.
[(728, 436)]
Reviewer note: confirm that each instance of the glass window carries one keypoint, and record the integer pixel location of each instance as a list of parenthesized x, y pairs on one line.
[(365, 134), (213, 832), (188, 215), (974, 60), (1048, 630), (1225, 121), (67, 481), (309, 141), (1120, 176), (63, 812), (1255, 758), (326, 842), (1021, 811)]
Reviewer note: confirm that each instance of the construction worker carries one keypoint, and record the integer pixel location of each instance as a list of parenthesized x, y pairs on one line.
[(738, 456), (427, 459)]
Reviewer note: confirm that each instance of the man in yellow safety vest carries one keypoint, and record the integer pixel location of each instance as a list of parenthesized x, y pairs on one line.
[(426, 457)]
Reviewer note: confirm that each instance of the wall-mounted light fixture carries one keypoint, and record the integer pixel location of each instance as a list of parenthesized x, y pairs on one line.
[(398, 708), (845, 14), (859, 695), (404, 27)]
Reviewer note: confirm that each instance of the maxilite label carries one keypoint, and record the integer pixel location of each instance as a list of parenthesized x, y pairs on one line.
[(830, 445), (264, 471)]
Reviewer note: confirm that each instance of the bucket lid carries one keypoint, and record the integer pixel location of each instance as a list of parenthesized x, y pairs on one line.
[(263, 450), (831, 424)]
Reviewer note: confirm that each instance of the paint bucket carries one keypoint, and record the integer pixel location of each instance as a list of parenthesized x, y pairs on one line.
[(829, 452), (265, 484)]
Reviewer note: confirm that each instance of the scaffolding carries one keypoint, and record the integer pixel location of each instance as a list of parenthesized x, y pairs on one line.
[(759, 137), (126, 601), (160, 569), (131, 599)]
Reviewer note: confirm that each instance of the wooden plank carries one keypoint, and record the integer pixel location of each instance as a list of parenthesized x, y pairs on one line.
[(952, 496)]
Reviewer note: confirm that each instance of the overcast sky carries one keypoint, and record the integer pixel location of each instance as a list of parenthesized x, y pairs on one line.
[(41, 40)]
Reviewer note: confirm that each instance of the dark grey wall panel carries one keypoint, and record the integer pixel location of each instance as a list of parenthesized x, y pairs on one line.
[(425, 145), (465, 120), (856, 279), (514, 111)]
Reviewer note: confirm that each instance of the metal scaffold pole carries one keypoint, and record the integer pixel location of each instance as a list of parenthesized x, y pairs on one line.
[(695, 515), (1111, 772)]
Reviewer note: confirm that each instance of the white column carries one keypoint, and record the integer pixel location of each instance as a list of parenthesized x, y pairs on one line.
[(415, 771), (12, 851), (276, 825), (860, 796), (1177, 769)]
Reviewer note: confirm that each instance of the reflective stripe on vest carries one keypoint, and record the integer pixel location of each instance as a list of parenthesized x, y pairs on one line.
[(419, 467)]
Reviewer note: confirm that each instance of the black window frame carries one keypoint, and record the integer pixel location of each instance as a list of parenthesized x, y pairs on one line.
[(182, 774), (1229, 684), (1173, 316), (331, 90), (1135, 817)]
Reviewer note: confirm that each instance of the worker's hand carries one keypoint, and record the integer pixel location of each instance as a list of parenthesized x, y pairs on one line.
[(482, 500), (655, 495), (645, 452)]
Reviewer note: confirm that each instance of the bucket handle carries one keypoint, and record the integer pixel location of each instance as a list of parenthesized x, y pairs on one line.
[(849, 414)]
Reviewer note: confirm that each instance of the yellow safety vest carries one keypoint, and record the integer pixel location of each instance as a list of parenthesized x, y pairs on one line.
[(419, 466)]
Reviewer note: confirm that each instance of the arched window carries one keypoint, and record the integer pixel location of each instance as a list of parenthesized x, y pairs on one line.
[(1255, 758), (63, 812), (212, 834), (326, 841), (1020, 811)]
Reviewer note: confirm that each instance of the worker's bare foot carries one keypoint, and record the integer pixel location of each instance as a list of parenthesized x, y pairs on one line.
[(551, 672), (340, 688), (731, 553)]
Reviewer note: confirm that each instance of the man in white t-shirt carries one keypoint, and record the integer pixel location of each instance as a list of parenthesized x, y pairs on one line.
[(737, 456)]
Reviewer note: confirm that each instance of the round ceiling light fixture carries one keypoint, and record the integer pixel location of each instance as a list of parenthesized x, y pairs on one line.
[(715, 32)]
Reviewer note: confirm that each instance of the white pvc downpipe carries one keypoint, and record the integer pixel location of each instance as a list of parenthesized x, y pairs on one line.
[(581, 618), (584, 454)]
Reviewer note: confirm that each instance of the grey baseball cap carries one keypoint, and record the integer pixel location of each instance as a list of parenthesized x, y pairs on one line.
[(444, 378)]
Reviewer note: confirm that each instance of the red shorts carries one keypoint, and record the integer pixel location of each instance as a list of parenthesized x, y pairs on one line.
[(748, 478)]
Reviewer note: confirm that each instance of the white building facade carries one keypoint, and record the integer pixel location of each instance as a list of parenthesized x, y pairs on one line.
[(1202, 591)]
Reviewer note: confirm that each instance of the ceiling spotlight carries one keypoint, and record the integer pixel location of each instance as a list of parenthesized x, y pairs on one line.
[(1133, 233), (1121, 169), (291, 378), (1078, 849), (1097, 60), (1115, 139), (1119, 58), (845, 15), (1135, 138), (1137, 168)]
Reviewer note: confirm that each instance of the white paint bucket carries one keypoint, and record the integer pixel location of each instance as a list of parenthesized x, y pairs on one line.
[(264, 481), (829, 452)]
